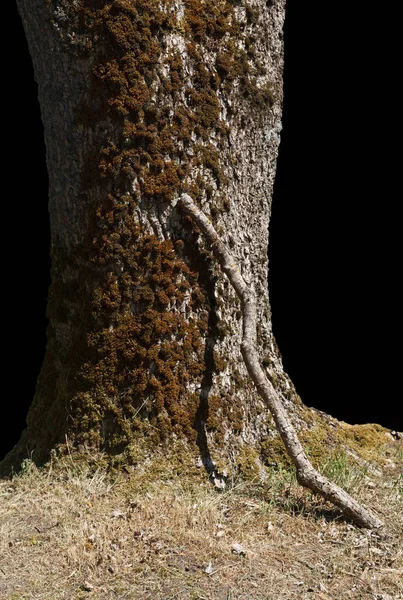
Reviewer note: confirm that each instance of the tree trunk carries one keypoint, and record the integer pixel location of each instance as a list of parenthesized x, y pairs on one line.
[(143, 101)]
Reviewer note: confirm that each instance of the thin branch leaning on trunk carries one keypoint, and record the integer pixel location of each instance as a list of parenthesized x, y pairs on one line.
[(307, 475)]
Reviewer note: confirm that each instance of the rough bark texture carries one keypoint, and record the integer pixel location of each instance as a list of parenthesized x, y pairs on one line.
[(143, 101)]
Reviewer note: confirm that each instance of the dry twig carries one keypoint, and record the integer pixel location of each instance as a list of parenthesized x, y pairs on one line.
[(307, 475)]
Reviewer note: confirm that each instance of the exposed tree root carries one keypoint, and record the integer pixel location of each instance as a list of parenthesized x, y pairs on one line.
[(306, 474)]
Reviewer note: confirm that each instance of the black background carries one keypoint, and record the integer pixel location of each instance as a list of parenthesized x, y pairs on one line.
[(334, 235)]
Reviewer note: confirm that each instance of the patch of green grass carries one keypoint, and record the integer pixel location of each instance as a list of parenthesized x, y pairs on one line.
[(341, 470), (399, 453), (27, 467), (399, 484)]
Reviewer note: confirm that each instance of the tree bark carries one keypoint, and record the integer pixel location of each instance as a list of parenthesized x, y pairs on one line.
[(143, 101)]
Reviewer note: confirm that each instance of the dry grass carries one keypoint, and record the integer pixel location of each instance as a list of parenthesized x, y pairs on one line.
[(72, 533)]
